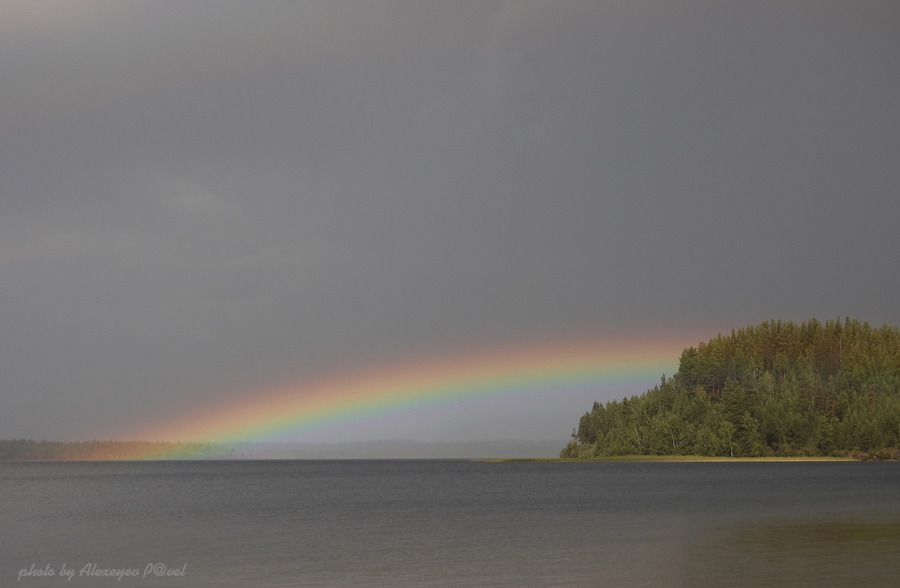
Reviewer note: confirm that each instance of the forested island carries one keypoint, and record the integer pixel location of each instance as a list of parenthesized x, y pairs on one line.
[(776, 389)]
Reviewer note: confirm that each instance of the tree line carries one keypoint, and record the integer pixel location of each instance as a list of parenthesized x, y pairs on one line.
[(773, 389), (27, 449)]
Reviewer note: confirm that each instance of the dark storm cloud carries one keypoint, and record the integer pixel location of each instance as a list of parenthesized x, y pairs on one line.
[(196, 196)]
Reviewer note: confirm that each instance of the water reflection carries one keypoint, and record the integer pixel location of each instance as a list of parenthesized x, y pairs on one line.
[(819, 553)]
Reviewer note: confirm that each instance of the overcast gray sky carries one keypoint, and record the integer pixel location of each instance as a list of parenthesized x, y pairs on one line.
[(199, 195)]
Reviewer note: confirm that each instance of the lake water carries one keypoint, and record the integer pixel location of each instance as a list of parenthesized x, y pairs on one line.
[(450, 523)]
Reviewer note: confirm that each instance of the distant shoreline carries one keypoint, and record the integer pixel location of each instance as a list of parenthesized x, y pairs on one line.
[(612, 459), (677, 459), (30, 450)]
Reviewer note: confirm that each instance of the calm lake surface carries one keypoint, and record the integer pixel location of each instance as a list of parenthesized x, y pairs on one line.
[(450, 523)]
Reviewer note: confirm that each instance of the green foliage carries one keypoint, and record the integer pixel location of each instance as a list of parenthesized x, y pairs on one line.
[(777, 388)]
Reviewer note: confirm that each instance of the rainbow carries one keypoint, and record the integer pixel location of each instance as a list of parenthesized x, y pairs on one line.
[(285, 411)]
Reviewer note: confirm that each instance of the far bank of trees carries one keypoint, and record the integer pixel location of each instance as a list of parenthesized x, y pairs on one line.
[(775, 389), (27, 449)]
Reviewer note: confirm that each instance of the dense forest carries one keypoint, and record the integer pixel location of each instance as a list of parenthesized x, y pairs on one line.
[(27, 449), (775, 389)]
